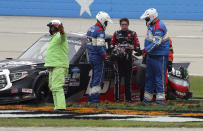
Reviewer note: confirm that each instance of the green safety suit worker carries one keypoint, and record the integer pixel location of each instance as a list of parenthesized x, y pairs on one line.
[(57, 62)]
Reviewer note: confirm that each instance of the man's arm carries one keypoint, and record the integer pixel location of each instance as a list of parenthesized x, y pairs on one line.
[(113, 39), (61, 29), (136, 41), (101, 41), (170, 57), (155, 39), (137, 45), (62, 33)]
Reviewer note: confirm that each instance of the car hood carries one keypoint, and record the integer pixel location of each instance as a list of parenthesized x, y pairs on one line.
[(17, 64)]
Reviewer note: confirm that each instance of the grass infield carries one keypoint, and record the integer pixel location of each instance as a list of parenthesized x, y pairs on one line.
[(197, 86), (91, 123)]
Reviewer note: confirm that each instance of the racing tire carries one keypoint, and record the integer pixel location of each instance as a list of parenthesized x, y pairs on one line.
[(170, 94), (140, 76), (42, 91)]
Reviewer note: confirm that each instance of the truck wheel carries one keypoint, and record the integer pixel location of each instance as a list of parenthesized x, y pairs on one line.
[(42, 91)]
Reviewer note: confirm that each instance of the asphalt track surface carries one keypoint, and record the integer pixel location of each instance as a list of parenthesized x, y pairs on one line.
[(17, 33), (25, 111), (158, 117)]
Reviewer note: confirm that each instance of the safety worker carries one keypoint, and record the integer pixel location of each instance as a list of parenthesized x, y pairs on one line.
[(170, 57), (128, 41), (97, 54), (57, 62), (157, 51), (170, 63)]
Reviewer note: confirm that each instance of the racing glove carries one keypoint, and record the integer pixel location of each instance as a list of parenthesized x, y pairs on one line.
[(111, 47), (138, 51), (144, 60), (106, 58), (61, 29), (170, 66)]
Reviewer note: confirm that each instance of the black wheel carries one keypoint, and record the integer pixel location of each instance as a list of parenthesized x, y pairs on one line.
[(170, 94), (140, 76), (42, 91), (142, 94), (188, 95)]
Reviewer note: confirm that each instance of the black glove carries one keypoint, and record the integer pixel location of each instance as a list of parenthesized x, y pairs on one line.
[(61, 29), (138, 51), (111, 47), (107, 59), (170, 66), (144, 60)]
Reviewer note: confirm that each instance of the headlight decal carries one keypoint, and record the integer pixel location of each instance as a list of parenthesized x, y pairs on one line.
[(18, 75)]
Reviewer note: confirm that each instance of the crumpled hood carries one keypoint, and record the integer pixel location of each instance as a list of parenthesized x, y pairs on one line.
[(18, 63)]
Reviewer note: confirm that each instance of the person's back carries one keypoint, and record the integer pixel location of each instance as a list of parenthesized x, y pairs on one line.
[(96, 51)]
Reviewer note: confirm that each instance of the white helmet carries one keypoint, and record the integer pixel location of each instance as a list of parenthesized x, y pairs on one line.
[(149, 15), (103, 18), (54, 23)]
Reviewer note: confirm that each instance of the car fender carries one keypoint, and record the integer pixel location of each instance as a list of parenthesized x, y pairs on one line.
[(41, 74)]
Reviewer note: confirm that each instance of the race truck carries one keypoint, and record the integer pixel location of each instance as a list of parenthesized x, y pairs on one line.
[(26, 78)]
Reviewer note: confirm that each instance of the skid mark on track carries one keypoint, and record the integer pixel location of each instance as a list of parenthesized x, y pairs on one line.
[(80, 110), (95, 116)]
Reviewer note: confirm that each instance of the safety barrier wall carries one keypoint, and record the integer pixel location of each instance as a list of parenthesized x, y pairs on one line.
[(168, 9)]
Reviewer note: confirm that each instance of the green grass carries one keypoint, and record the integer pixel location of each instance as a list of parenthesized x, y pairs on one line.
[(90, 123), (170, 106), (197, 86)]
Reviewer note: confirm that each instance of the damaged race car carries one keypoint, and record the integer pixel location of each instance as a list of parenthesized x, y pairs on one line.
[(26, 78)]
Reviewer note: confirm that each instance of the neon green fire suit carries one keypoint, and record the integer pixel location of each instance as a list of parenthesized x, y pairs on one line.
[(58, 62)]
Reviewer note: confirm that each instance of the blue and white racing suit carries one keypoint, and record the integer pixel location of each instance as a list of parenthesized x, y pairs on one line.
[(97, 52), (157, 51)]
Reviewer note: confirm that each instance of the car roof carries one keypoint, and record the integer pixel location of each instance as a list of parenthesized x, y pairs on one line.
[(79, 35)]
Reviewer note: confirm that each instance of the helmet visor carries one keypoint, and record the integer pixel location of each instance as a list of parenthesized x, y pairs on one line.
[(49, 24), (105, 23), (147, 19)]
